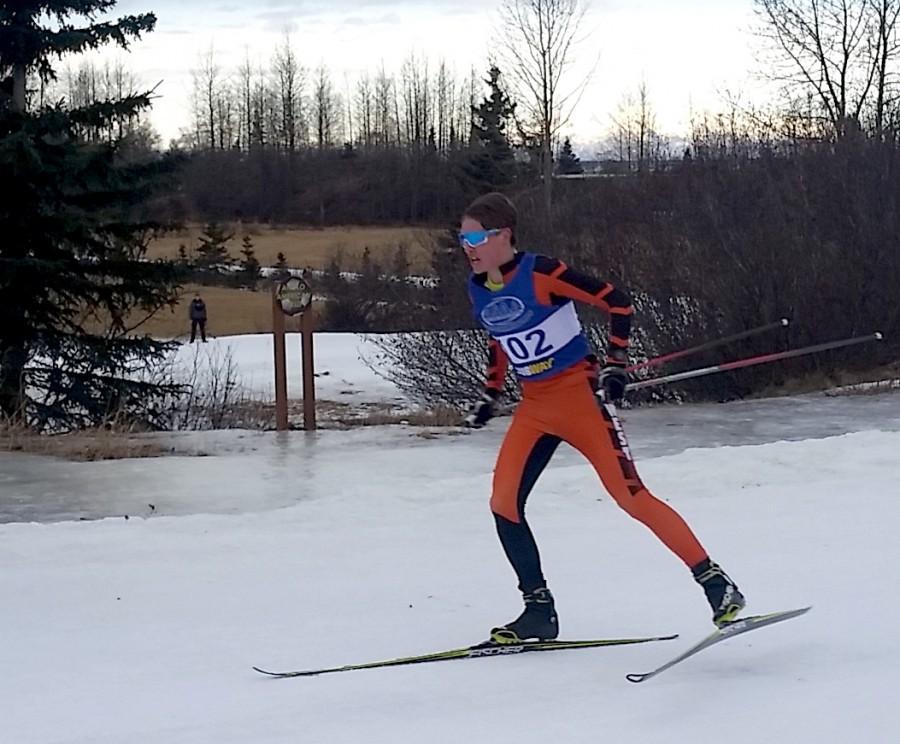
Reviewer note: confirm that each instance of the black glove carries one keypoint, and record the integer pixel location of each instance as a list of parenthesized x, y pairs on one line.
[(613, 378), (481, 412)]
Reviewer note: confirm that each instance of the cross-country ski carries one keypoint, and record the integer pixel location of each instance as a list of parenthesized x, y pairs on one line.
[(485, 650), (728, 630)]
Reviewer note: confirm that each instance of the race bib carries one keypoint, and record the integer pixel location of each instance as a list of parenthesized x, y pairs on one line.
[(541, 341)]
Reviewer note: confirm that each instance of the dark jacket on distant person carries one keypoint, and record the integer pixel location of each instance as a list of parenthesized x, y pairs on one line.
[(198, 309)]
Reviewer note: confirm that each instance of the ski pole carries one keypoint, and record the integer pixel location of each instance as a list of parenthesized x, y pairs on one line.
[(657, 361), (751, 361)]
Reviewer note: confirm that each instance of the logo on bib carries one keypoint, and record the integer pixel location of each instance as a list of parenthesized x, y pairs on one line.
[(504, 312), (536, 369)]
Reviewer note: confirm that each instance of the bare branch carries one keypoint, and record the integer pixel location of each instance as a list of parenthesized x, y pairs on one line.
[(840, 50)]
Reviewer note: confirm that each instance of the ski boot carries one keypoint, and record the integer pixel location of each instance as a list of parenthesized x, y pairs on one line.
[(722, 593), (537, 623)]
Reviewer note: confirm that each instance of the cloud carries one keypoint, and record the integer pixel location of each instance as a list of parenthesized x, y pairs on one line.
[(388, 19), (361, 8), (307, 7), (280, 15)]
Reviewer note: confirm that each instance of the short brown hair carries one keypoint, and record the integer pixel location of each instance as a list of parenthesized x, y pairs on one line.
[(494, 211)]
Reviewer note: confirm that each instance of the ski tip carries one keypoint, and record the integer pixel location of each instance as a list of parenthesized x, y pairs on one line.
[(879, 335), (266, 672), (637, 677), (798, 611)]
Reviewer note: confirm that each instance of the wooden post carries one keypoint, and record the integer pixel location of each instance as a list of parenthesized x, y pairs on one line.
[(281, 403), (307, 325)]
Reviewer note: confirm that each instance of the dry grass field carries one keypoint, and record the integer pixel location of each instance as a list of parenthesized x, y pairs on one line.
[(231, 312), (235, 311), (309, 247)]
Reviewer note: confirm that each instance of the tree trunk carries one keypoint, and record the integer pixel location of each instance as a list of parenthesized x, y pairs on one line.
[(18, 98), (12, 372), (13, 352), (547, 158)]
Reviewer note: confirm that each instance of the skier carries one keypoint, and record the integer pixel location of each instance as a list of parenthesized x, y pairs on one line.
[(525, 302)]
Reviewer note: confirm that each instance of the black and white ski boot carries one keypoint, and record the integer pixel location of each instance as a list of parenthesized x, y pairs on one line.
[(722, 593), (537, 623)]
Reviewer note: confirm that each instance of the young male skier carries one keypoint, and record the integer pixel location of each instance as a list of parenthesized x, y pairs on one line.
[(526, 303)]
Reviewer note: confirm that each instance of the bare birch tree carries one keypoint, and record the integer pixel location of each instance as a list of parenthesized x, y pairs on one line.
[(635, 136), (290, 79), (244, 93), (365, 111), (839, 50), (324, 108), (207, 79), (886, 14), (384, 94), (537, 47)]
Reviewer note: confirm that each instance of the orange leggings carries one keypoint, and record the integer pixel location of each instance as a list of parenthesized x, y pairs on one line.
[(565, 409)]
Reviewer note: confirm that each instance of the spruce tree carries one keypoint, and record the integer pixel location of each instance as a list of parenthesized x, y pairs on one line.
[(213, 249), (75, 279), (568, 163), (491, 165), (249, 262)]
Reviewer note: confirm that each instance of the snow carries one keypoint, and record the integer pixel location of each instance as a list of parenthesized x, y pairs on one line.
[(302, 549), (341, 374)]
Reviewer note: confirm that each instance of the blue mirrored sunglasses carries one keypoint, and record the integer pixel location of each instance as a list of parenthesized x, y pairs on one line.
[(476, 238)]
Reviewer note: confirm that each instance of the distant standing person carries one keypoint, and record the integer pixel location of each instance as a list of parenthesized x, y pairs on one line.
[(198, 317)]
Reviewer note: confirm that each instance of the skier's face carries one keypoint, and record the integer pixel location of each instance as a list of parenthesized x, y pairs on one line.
[(491, 249)]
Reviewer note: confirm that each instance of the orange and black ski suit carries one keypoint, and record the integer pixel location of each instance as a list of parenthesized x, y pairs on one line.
[(563, 407)]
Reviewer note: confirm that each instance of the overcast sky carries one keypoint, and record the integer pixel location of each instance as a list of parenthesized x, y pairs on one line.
[(689, 51)]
